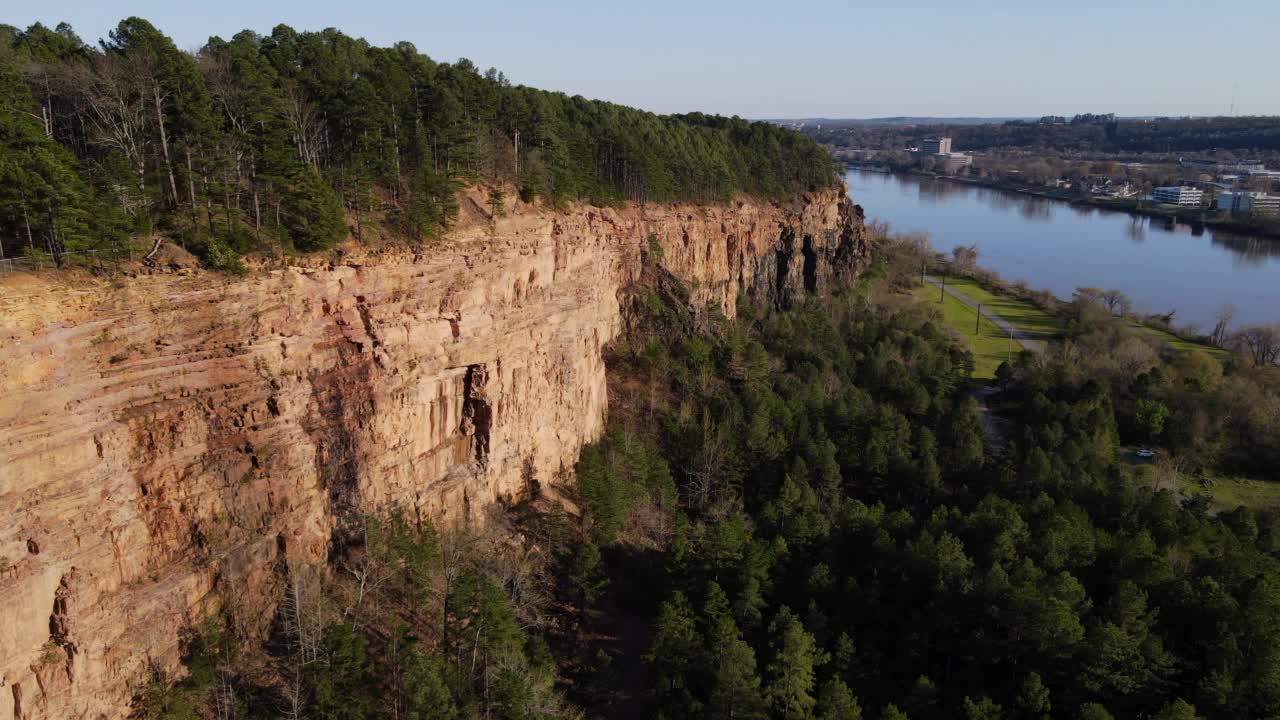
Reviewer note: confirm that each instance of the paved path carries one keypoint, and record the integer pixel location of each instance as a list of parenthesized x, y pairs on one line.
[(1025, 339)]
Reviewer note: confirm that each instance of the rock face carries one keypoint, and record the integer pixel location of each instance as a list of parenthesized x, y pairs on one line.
[(170, 445)]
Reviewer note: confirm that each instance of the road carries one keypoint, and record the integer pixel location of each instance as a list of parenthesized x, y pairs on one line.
[(1026, 340)]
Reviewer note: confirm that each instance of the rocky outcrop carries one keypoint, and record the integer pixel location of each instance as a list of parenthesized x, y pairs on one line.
[(168, 444)]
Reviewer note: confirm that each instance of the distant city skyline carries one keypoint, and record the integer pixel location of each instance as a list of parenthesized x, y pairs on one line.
[(927, 58)]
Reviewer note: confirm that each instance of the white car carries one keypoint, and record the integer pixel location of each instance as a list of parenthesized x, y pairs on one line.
[(1145, 453)]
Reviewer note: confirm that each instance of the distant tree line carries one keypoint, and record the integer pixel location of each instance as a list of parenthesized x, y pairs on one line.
[(290, 138), (1084, 133)]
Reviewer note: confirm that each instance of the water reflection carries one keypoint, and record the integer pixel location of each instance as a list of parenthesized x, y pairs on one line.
[(935, 191), (1083, 211), (1056, 245), (1248, 249), (1035, 208), (1136, 230)]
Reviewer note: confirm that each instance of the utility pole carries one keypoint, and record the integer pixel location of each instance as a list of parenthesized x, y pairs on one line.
[(1009, 347), (942, 289), (977, 328)]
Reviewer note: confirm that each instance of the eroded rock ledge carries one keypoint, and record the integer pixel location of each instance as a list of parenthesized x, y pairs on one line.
[(173, 443)]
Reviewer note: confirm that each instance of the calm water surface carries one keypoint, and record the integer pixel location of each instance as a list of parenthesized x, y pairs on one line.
[(1058, 246)]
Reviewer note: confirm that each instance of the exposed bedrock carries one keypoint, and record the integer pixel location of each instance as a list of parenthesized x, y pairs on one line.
[(168, 445)]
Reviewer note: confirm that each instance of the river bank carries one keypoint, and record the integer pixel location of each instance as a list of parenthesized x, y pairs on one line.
[(1052, 244), (1192, 217)]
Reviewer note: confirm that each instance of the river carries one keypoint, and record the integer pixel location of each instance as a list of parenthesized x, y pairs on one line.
[(1058, 246)]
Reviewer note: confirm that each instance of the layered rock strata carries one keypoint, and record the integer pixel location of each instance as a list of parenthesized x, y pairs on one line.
[(169, 443)]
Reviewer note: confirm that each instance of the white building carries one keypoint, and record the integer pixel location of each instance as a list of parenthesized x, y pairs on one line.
[(1178, 195), (954, 162), (1249, 202)]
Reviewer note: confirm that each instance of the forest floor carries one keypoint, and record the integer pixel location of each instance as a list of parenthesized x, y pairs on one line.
[(621, 631)]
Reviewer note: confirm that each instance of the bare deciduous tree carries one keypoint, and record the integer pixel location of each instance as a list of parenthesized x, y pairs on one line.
[(965, 258), (1262, 342), (307, 125), (114, 101), (304, 613), (1116, 302), (1222, 325)]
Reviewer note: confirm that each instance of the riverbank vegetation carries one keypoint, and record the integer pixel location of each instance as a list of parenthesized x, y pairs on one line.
[(292, 140), (1040, 314), (1115, 187)]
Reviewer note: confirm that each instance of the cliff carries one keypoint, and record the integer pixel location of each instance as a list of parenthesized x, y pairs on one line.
[(170, 444)]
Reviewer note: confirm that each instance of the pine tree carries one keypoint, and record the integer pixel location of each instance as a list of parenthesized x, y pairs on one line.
[(791, 672)]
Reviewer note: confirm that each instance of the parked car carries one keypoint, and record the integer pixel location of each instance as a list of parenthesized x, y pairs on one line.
[(1145, 453)]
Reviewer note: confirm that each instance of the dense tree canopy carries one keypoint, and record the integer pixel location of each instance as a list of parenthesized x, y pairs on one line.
[(258, 138), (847, 541)]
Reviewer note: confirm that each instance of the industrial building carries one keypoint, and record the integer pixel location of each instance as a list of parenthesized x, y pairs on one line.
[(1249, 202), (935, 146), (1178, 195), (954, 162)]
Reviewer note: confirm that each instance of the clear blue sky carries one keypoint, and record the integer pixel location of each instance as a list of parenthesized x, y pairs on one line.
[(788, 59)]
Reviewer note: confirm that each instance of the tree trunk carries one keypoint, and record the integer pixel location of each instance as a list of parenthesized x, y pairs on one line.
[(164, 144), (51, 239), (226, 204), (26, 219), (257, 209), (191, 193), (395, 140)]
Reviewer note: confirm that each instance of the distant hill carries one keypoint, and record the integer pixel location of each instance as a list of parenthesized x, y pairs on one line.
[(1256, 136), (896, 120)]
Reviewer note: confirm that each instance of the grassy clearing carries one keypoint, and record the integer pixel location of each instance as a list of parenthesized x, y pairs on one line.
[(1021, 314), (1179, 344), (1031, 319), (1228, 493), (990, 346)]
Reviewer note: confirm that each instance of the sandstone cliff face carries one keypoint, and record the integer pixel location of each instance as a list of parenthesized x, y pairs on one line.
[(169, 446)]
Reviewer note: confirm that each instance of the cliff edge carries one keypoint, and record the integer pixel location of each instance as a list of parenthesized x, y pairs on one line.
[(170, 446)]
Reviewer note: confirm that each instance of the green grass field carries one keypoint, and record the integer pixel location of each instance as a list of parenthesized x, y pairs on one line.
[(1228, 493), (990, 347), (1031, 319), (1179, 344), (1021, 314)]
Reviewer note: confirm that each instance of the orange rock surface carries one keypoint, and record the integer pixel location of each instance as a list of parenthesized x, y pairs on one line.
[(168, 445)]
